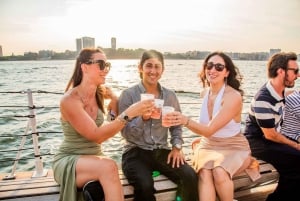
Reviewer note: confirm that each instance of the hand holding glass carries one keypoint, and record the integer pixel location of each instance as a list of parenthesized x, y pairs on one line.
[(146, 96), (157, 109), (165, 110)]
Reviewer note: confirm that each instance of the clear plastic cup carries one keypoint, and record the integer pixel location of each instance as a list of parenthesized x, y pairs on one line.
[(146, 96), (165, 110), (156, 112)]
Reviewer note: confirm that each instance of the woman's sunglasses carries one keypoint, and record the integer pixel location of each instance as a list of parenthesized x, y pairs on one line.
[(218, 67), (101, 63)]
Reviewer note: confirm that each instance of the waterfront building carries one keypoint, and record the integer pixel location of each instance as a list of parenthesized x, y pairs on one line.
[(274, 51), (1, 53), (84, 42), (88, 42), (113, 43), (78, 45), (45, 54)]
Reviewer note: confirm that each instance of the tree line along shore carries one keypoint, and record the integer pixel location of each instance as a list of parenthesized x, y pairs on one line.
[(122, 53)]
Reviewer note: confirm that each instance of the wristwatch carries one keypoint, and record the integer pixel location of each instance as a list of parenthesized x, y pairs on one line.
[(124, 117), (178, 146)]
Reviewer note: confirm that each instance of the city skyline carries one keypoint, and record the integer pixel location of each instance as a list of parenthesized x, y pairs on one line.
[(168, 26)]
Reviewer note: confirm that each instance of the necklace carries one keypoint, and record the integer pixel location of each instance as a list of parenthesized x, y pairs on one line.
[(88, 104)]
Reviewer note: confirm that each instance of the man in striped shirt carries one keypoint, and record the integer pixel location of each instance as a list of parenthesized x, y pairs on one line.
[(263, 126), (291, 117)]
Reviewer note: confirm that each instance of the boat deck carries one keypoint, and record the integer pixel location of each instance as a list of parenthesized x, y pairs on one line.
[(24, 187), (27, 188)]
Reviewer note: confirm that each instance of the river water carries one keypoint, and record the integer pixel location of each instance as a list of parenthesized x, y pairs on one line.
[(48, 79)]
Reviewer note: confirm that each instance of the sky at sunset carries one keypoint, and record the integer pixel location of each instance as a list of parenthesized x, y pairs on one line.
[(166, 25)]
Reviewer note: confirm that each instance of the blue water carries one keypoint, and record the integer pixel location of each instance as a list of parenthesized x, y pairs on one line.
[(52, 76)]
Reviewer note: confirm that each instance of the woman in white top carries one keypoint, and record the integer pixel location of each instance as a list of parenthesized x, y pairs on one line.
[(223, 150)]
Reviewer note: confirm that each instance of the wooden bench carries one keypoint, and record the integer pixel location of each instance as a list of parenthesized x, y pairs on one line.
[(25, 188)]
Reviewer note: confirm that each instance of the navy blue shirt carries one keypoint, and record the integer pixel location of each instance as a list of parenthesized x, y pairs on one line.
[(291, 116), (266, 111)]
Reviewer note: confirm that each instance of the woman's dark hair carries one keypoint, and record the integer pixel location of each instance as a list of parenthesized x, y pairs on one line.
[(279, 60), (234, 78), (84, 56), (151, 54)]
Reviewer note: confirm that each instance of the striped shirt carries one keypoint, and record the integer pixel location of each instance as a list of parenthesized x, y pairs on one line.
[(266, 111), (291, 116)]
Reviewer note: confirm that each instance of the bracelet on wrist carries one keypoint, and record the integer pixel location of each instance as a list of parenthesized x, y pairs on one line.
[(123, 121), (123, 117)]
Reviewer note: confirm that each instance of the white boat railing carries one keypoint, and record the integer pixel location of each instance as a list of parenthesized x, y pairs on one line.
[(40, 171), (31, 124)]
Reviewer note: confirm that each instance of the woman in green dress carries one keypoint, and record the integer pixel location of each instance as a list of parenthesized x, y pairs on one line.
[(79, 157)]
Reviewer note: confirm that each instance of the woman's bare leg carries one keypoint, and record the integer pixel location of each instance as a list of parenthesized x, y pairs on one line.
[(223, 184), (105, 171), (206, 186)]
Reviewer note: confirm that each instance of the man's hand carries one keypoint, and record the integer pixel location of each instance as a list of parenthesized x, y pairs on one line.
[(176, 156)]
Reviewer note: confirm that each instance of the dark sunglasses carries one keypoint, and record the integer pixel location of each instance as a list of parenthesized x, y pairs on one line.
[(101, 63), (296, 70), (218, 67)]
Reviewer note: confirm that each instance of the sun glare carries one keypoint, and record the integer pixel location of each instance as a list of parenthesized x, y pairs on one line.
[(167, 25)]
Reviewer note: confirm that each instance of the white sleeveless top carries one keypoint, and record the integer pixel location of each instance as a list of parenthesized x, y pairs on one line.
[(230, 129)]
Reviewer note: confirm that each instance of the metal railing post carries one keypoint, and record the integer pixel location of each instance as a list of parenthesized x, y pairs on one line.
[(12, 175), (39, 170)]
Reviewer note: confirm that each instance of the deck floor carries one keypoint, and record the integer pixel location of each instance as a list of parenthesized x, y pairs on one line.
[(257, 194), (260, 196)]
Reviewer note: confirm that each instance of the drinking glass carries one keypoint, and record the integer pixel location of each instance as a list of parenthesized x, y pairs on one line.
[(156, 112), (165, 110), (146, 96)]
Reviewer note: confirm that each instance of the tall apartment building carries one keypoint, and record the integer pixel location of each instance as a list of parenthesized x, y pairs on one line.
[(84, 42), (1, 53), (113, 43), (78, 45)]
